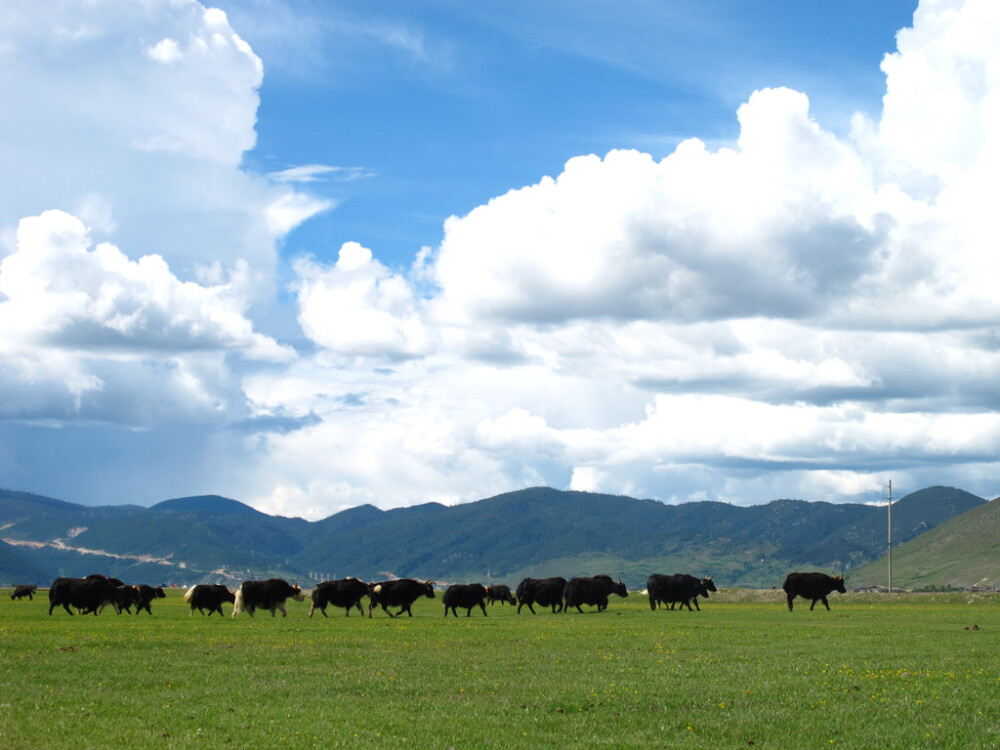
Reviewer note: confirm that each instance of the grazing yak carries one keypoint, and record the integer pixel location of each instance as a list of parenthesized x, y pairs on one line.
[(88, 594), (211, 597), (545, 592), (499, 593), (270, 595), (679, 588), (23, 591), (815, 586), (399, 593), (592, 591), (346, 593), (465, 595)]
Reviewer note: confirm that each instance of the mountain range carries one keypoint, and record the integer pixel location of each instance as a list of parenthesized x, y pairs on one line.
[(537, 531)]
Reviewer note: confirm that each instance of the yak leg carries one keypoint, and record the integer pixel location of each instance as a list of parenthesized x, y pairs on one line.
[(790, 597)]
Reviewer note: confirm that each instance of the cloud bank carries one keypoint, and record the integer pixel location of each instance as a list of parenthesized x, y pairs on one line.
[(797, 313)]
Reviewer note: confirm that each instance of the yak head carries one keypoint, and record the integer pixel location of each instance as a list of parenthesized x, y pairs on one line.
[(429, 589)]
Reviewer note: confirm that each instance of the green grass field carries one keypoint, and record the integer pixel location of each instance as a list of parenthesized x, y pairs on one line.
[(903, 671)]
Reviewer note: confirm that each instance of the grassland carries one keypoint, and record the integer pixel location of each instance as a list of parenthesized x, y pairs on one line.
[(875, 672)]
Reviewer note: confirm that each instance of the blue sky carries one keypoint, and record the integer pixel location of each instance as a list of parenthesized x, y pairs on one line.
[(443, 106), (311, 255)]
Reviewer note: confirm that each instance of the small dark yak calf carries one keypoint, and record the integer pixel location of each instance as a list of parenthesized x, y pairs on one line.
[(499, 593)]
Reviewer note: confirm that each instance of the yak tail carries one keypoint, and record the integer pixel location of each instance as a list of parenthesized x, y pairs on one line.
[(187, 594), (238, 604)]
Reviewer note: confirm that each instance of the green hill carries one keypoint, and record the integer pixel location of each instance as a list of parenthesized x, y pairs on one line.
[(536, 531), (963, 551)]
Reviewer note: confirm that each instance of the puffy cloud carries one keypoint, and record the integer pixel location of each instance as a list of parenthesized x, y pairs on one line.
[(796, 314), (943, 91), (783, 226), (151, 107), (358, 307), (81, 321), (59, 292), (136, 144)]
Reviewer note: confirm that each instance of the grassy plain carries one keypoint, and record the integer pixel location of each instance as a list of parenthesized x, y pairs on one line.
[(877, 671)]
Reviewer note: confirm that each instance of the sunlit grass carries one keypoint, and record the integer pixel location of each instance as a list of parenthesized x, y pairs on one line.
[(873, 672)]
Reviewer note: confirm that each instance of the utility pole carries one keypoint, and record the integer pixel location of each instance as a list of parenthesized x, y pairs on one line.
[(890, 536)]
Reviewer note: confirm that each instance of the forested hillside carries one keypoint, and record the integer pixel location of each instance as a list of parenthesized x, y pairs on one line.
[(537, 531)]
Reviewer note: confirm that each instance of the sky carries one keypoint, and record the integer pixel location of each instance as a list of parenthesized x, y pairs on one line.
[(312, 255)]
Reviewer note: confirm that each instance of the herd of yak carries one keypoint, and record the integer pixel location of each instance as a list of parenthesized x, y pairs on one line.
[(93, 593)]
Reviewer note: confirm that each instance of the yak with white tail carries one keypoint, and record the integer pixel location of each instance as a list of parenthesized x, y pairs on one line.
[(211, 597)]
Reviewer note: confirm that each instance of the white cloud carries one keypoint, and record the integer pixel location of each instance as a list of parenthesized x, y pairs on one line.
[(77, 320), (290, 210), (150, 106), (318, 173), (135, 307), (794, 313), (781, 227), (798, 313), (165, 51), (358, 307), (59, 292)]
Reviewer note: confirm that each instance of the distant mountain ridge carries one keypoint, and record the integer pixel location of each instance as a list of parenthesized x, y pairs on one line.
[(535, 531), (205, 504)]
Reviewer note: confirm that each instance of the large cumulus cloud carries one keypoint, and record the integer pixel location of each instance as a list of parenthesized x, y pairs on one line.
[(113, 321), (797, 313), (782, 225), (135, 245)]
